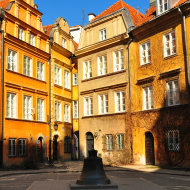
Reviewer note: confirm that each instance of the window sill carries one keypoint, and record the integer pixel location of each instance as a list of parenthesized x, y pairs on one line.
[(145, 65), (14, 72), (106, 75), (67, 122), (24, 120), (69, 90), (12, 156), (104, 115), (170, 56), (58, 86)]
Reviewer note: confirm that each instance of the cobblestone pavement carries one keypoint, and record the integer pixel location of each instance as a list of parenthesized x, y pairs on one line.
[(169, 181)]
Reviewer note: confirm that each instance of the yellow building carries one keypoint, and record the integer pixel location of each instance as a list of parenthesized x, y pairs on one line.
[(62, 49), (24, 82), (160, 85)]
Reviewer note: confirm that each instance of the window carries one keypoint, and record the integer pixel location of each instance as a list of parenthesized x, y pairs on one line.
[(75, 109), (57, 111), (109, 142), (58, 75), (40, 71), (169, 44), (12, 60), (120, 141), (88, 106), (162, 6), (67, 80), (173, 94), (12, 147), (27, 66), (40, 110), (87, 69), (63, 43), (102, 65), (32, 40), (120, 101), (21, 34), (103, 104), (148, 97), (145, 53), (27, 107), (102, 34), (67, 113), (173, 140), (11, 105), (22, 147), (67, 144), (118, 60), (75, 78)]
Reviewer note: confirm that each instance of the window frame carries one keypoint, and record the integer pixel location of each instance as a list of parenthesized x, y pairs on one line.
[(67, 113), (28, 110), (109, 142), (14, 63), (103, 35), (67, 144), (120, 145), (40, 71), (75, 110), (150, 101), (147, 56), (41, 110), (175, 145), (87, 74), (121, 61), (102, 71), (102, 103), (12, 148), (32, 39), (75, 79), (64, 43), (22, 147), (27, 67), (89, 110), (67, 81), (13, 108), (160, 11), (58, 111), (121, 96), (58, 75), (21, 34)]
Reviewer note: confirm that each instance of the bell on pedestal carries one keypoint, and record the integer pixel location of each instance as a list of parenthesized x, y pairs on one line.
[(93, 171)]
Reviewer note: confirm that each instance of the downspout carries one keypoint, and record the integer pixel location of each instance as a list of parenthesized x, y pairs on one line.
[(71, 105), (129, 75), (186, 55), (2, 86)]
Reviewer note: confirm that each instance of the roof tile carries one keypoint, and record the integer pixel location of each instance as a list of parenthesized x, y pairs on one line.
[(4, 3), (48, 28)]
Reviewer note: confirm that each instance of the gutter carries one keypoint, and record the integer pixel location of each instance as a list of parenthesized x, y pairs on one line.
[(2, 88), (186, 54)]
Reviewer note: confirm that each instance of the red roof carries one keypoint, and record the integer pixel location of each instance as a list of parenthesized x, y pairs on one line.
[(180, 2), (117, 6), (48, 28), (75, 45), (4, 3)]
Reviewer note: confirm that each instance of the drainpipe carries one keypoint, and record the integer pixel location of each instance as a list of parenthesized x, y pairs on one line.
[(186, 55), (2, 86), (129, 75)]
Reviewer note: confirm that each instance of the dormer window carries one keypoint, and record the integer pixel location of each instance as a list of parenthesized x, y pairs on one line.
[(102, 34), (162, 6)]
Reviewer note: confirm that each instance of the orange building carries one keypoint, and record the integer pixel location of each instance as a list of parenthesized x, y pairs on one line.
[(25, 82)]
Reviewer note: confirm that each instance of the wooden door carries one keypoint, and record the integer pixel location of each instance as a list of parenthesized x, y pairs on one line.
[(55, 148), (89, 142), (149, 149)]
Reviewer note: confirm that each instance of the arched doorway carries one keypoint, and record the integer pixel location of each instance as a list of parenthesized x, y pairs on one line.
[(40, 150), (89, 142), (149, 148), (76, 145), (55, 147)]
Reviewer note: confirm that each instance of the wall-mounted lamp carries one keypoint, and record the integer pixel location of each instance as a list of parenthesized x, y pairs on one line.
[(56, 126)]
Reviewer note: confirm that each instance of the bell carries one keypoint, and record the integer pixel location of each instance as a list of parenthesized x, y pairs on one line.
[(93, 171)]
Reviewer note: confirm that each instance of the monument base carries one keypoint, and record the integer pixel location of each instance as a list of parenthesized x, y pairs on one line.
[(74, 186)]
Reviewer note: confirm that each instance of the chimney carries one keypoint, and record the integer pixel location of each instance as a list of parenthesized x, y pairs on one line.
[(91, 16), (137, 10), (152, 3)]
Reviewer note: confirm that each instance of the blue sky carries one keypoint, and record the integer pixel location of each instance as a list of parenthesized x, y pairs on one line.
[(72, 10)]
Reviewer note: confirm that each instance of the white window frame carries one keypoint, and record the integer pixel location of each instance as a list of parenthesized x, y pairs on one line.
[(148, 98), (170, 47), (32, 40), (87, 69), (88, 106), (118, 57), (172, 138), (120, 99), (12, 60), (67, 83), (40, 71), (103, 34), (21, 34), (27, 66), (67, 112), (102, 65), (163, 6), (172, 93), (109, 142), (58, 111), (75, 78), (27, 105), (40, 109), (120, 141), (11, 105), (12, 147), (57, 75), (64, 43), (75, 109), (145, 53), (22, 147), (103, 104)]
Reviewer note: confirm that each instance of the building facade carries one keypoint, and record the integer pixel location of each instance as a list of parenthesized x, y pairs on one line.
[(25, 82)]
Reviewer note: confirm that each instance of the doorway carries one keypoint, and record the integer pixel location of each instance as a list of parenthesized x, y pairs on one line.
[(55, 147), (40, 149), (76, 145), (149, 148), (89, 142)]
